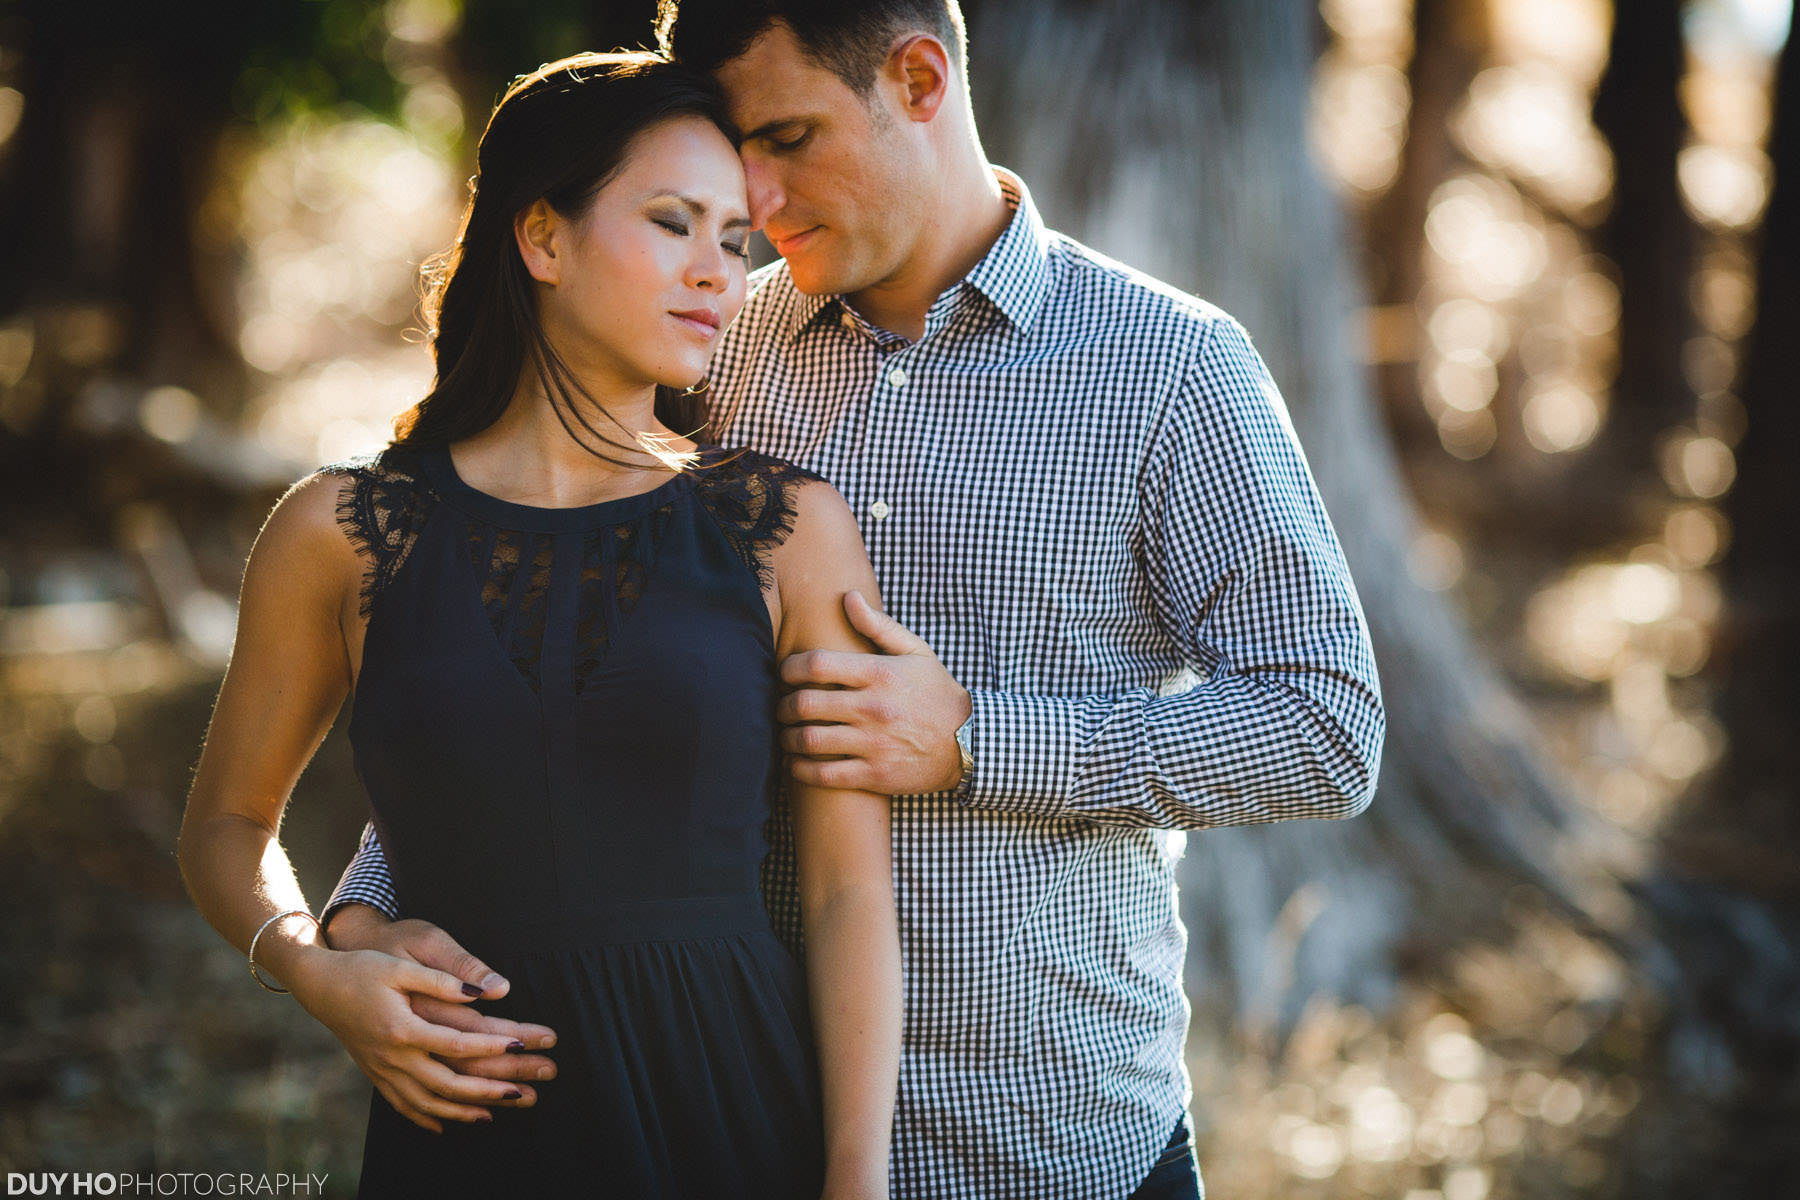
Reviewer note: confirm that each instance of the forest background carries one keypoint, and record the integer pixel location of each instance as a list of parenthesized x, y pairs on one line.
[(1526, 273)]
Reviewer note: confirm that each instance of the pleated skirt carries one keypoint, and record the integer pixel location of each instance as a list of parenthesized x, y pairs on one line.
[(685, 1069)]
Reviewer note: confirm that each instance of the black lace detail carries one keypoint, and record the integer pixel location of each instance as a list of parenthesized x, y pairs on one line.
[(514, 569), (751, 495), (381, 512), (616, 562), (388, 499)]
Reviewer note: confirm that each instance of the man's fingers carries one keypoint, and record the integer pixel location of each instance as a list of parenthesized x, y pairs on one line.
[(853, 773), (518, 1068), (435, 948), (452, 1085), (831, 668), (890, 635), (813, 704), (423, 1099), (821, 740), (451, 1043), (470, 1020)]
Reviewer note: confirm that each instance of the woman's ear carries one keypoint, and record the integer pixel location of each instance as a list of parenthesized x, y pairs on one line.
[(535, 229)]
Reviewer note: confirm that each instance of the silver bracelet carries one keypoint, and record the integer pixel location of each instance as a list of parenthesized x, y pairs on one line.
[(254, 973)]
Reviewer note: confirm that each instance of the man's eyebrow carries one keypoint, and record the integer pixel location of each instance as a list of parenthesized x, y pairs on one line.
[(698, 208)]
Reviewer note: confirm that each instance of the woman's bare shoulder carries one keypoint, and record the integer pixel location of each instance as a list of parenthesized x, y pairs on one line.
[(824, 529), (303, 543)]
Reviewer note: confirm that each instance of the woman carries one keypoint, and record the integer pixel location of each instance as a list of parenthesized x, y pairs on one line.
[(560, 619)]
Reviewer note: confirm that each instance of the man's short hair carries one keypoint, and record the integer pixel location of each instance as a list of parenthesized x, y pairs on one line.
[(849, 38)]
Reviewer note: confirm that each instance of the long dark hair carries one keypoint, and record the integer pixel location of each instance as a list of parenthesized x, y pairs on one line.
[(558, 134)]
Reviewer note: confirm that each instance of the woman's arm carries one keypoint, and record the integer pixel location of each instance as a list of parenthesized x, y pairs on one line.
[(288, 676), (845, 870)]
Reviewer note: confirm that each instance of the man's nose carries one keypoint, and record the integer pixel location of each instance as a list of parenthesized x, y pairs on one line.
[(764, 190)]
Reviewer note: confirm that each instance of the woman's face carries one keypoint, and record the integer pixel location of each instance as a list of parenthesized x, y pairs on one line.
[(641, 285)]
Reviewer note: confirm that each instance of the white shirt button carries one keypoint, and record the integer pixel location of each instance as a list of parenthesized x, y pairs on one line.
[(897, 377), (880, 510)]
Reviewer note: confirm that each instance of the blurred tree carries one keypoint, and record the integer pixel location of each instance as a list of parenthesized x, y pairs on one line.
[(124, 105), (1449, 39), (1758, 789), (1648, 234), (119, 279)]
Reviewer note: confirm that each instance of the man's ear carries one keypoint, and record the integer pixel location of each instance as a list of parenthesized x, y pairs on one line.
[(536, 229), (921, 66)]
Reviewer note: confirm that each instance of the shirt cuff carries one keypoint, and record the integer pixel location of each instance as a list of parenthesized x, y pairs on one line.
[(1024, 751)]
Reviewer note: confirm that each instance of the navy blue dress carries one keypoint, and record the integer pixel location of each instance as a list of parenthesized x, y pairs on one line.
[(565, 723)]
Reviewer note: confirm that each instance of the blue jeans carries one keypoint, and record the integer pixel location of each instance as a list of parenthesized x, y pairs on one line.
[(1176, 1176)]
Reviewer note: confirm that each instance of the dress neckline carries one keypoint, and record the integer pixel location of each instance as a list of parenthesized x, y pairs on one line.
[(507, 514)]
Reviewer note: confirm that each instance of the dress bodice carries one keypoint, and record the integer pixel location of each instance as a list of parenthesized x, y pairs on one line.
[(560, 710)]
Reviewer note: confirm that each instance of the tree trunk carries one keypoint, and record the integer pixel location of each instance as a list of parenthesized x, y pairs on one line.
[(1648, 235), (1760, 783), (1447, 39)]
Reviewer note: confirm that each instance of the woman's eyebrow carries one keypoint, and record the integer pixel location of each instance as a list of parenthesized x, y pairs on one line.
[(698, 208)]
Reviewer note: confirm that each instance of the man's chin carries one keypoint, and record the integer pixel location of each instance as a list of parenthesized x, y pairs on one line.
[(814, 277)]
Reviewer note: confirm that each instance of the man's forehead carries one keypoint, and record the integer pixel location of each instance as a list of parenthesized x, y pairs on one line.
[(774, 79)]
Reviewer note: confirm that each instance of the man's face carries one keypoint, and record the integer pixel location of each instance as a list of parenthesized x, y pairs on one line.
[(832, 175)]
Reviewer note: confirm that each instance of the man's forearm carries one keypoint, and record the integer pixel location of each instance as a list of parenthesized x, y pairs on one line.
[(1235, 750)]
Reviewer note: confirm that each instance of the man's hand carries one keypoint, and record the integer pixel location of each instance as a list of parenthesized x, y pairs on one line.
[(873, 722), (359, 927)]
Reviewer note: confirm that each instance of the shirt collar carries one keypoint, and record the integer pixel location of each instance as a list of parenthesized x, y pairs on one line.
[(1015, 272), (1014, 275)]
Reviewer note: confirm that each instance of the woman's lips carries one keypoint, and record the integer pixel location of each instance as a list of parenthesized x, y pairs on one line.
[(699, 320)]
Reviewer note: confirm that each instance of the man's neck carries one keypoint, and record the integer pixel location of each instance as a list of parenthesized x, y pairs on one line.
[(969, 219)]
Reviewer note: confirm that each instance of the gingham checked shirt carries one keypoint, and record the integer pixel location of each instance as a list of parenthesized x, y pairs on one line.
[(1080, 486)]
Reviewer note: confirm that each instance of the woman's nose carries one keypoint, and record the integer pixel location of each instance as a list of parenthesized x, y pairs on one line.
[(709, 266)]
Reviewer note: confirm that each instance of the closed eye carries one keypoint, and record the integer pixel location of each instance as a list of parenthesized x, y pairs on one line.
[(672, 226), (789, 144)]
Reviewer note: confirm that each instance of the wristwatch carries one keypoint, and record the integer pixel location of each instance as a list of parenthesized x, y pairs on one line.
[(965, 748)]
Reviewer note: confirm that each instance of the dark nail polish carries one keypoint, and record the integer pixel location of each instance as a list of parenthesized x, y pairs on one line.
[(515, 1094), (515, 1047), (470, 989), (485, 1117)]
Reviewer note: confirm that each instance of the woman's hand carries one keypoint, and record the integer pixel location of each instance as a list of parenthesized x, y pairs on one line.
[(359, 927), (366, 998)]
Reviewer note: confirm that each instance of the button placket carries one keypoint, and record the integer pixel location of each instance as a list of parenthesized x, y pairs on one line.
[(894, 377)]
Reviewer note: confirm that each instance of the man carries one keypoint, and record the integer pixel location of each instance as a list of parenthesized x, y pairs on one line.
[(1079, 486)]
